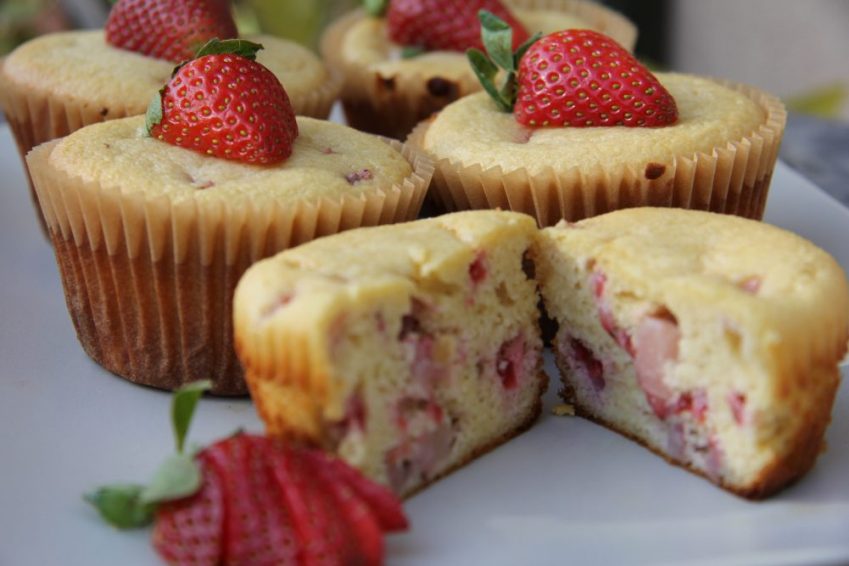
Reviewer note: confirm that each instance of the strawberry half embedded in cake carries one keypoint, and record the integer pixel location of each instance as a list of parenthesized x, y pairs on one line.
[(575, 77), (407, 350), (225, 104), (168, 29), (664, 337)]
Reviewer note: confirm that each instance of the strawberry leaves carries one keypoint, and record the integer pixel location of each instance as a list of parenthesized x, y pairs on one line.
[(128, 506), (121, 505), (376, 8), (497, 38)]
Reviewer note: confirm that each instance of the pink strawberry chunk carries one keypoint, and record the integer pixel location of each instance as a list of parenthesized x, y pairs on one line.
[(583, 361), (508, 364), (477, 269), (737, 402), (655, 346)]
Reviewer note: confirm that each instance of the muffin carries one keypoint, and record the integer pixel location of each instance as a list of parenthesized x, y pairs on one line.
[(712, 340), (407, 350), (387, 94), (57, 83), (151, 239), (592, 130)]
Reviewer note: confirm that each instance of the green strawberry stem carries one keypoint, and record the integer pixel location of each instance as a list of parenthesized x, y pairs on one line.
[(497, 37), (376, 8), (128, 506), (240, 47)]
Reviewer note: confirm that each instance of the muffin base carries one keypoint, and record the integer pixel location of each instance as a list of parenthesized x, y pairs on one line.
[(149, 285)]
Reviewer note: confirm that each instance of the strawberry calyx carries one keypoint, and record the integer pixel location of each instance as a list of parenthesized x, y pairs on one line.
[(128, 506), (376, 8), (497, 37)]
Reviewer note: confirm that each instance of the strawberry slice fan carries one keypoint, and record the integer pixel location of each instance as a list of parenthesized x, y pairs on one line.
[(251, 499), (576, 78)]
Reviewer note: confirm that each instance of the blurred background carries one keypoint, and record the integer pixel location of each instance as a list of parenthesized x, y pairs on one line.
[(797, 50)]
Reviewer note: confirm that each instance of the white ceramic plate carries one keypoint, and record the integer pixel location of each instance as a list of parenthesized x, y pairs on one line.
[(566, 492)]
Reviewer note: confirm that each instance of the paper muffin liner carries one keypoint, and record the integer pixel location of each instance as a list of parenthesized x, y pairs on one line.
[(392, 106), (37, 116), (732, 179), (149, 282)]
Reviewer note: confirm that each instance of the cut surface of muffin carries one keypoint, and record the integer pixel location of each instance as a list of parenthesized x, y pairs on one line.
[(408, 350), (710, 339)]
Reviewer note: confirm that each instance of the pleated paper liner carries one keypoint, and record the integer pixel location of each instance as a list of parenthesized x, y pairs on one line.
[(732, 179), (36, 115), (149, 282), (392, 106)]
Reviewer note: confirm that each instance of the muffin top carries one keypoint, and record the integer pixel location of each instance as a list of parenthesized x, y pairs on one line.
[(80, 65), (718, 254), (328, 161), (367, 45), (473, 130)]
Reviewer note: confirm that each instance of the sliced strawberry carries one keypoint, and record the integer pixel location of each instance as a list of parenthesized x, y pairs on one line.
[(189, 531), (382, 502), (168, 29), (357, 514), (322, 537), (257, 527)]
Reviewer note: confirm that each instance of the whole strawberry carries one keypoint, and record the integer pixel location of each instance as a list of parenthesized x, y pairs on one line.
[(168, 29), (576, 78), (225, 104), (443, 24), (580, 77)]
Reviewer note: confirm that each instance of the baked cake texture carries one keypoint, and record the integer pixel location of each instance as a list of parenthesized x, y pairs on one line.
[(388, 94), (408, 350), (151, 238), (718, 156), (713, 340)]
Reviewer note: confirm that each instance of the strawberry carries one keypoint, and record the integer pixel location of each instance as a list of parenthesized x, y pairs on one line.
[(442, 24), (168, 29), (575, 78), (226, 105), (249, 499), (189, 530), (382, 502), (258, 527)]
